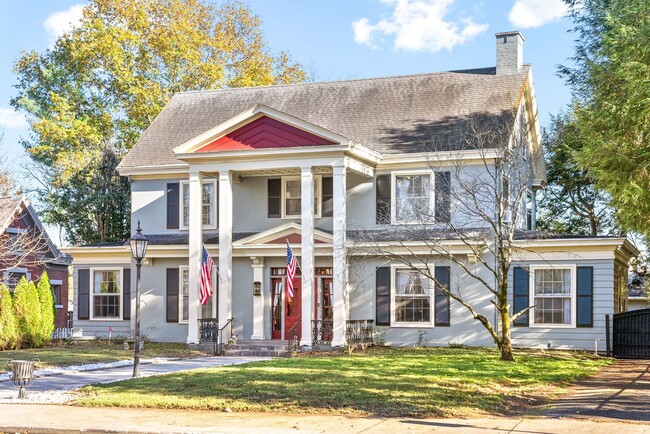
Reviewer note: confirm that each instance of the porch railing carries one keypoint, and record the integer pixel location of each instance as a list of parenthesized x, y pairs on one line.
[(359, 331), (322, 331), (209, 331)]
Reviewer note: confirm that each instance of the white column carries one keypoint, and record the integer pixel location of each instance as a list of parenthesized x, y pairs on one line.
[(307, 256), (339, 297), (194, 260), (225, 247), (258, 300)]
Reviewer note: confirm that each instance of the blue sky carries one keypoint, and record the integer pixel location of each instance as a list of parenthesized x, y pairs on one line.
[(339, 39)]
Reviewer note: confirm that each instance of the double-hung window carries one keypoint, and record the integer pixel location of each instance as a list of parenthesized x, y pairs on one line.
[(56, 286), (292, 197), (553, 295), (412, 197), (412, 294), (208, 204), (107, 294)]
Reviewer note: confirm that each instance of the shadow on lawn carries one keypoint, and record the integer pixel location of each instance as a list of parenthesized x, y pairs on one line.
[(397, 382)]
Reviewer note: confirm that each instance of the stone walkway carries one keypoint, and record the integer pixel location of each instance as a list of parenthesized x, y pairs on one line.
[(621, 391), (44, 389)]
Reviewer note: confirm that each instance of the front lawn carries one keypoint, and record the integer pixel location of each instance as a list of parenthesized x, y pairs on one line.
[(421, 382), (96, 351)]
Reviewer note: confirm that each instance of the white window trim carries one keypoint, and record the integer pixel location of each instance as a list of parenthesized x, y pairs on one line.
[(531, 287), (57, 282), (181, 269), (186, 184), (5, 275), (393, 294), (393, 195), (318, 180), (92, 293)]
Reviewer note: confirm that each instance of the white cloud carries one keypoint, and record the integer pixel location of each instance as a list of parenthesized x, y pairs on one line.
[(11, 120), (63, 21), (535, 13), (418, 25)]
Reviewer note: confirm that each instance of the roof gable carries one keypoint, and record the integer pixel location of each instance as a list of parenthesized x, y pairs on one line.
[(264, 132), (288, 232)]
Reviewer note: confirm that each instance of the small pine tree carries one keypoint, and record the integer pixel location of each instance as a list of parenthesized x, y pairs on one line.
[(8, 326), (21, 312), (47, 309), (35, 316)]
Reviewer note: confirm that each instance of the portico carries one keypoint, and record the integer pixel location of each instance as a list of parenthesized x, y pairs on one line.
[(217, 154)]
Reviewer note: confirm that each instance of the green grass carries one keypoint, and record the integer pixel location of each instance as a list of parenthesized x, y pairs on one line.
[(96, 351), (388, 382)]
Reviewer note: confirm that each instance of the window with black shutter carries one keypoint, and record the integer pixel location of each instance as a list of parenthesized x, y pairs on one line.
[(521, 293), (173, 205), (172, 294), (383, 199), (382, 290), (585, 293), (442, 315), (274, 197)]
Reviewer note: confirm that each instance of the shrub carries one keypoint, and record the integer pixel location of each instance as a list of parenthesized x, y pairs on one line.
[(46, 301), (8, 326), (27, 310)]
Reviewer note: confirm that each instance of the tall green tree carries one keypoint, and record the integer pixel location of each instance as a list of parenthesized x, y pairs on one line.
[(8, 327), (610, 82), (46, 301), (90, 97), (27, 311), (571, 203)]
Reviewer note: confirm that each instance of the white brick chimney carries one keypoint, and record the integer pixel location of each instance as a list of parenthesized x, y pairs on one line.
[(510, 52)]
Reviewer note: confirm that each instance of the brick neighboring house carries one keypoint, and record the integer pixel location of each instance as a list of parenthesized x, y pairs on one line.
[(26, 250)]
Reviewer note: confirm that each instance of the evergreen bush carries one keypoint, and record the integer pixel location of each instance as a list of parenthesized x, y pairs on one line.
[(21, 312), (34, 338), (8, 326), (46, 300)]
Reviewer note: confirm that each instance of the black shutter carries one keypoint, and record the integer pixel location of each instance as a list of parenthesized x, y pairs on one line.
[(328, 196), (383, 199), (442, 275), (173, 205), (275, 197), (172, 295), (585, 302), (521, 295), (83, 307), (382, 314), (443, 197), (126, 296)]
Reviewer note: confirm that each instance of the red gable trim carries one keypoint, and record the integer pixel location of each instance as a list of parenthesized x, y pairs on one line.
[(262, 133), (294, 239)]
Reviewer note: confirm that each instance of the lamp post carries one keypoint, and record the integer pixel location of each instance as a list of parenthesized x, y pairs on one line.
[(138, 250)]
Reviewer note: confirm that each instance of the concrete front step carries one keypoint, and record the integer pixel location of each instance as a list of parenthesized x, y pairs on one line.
[(262, 348)]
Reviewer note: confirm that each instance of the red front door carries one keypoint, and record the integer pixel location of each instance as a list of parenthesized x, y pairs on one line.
[(292, 309)]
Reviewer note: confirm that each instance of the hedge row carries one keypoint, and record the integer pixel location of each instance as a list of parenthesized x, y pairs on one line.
[(27, 315)]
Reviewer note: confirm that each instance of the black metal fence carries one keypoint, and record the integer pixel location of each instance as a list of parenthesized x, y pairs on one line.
[(359, 331), (631, 337), (322, 331)]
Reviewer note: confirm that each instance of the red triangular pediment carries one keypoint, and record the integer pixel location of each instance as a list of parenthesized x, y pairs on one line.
[(294, 239), (262, 133)]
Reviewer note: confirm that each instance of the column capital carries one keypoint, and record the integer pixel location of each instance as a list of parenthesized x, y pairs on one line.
[(339, 169), (225, 175), (304, 170), (257, 261)]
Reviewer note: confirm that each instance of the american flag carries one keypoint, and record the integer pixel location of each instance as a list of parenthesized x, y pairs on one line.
[(292, 263), (205, 290)]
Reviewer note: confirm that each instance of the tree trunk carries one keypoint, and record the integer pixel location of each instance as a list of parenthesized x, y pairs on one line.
[(506, 343)]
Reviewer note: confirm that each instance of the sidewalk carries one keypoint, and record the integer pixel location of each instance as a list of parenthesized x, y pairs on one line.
[(59, 419), (43, 387)]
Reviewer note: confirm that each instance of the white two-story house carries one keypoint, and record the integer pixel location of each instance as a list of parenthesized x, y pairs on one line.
[(317, 165)]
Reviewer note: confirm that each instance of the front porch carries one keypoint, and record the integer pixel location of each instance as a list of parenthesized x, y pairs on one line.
[(357, 333)]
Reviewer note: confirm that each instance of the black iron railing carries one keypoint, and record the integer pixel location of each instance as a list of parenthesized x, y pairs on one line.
[(359, 331), (322, 331), (209, 331)]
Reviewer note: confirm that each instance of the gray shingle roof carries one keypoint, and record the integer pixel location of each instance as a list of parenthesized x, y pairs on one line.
[(389, 115)]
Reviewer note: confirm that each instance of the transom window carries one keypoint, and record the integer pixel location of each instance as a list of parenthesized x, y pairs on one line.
[(553, 293), (292, 197), (412, 197), (107, 294), (208, 204), (412, 297)]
